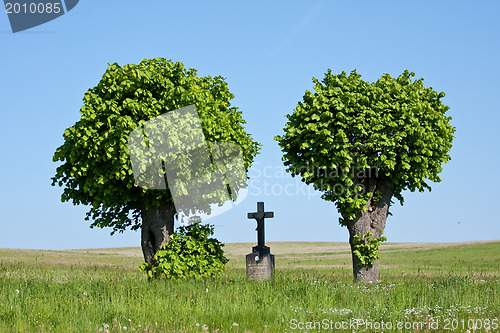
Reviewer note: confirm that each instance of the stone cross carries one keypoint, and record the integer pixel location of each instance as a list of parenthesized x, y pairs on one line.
[(260, 215)]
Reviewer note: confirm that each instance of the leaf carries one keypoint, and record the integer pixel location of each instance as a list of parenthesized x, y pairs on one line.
[(95, 167), (395, 126), (190, 253)]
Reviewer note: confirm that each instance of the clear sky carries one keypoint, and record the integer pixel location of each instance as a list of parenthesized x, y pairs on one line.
[(269, 52)]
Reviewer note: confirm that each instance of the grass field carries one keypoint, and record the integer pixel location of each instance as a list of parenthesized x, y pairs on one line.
[(451, 287)]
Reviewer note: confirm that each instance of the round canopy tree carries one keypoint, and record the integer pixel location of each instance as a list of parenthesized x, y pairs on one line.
[(96, 168), (360, 144)]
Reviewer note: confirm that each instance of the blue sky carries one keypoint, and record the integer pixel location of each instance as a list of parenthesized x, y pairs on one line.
[(269, 53)]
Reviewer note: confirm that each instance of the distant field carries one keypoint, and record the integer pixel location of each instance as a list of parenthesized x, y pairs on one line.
[(470, 257), (427, 285)]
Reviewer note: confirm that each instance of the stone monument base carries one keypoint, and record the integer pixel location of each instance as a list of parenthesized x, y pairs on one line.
[(260, 266)]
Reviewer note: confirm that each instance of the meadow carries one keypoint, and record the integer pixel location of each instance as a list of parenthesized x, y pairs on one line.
[(424, 287)]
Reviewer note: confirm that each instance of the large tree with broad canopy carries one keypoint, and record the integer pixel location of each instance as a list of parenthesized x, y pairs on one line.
[(361, 144), (95, 165)]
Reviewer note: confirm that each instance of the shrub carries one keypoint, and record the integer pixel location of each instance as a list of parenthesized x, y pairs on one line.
[(189, 254)]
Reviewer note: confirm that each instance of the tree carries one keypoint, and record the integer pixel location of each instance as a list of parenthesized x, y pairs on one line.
[(96, 167), (361, 144)]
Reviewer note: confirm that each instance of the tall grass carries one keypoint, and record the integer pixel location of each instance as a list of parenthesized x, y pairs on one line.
[(51, 297)]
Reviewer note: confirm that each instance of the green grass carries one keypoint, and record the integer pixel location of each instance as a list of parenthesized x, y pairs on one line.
[(102, 290)]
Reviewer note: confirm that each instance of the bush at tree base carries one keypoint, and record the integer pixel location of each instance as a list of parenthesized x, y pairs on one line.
[(189, 254)]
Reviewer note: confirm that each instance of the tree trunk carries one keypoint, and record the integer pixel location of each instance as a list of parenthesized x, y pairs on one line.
[(157, 226), (372, 219)]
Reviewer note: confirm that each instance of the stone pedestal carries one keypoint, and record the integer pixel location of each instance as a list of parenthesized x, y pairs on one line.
[(260, 266)]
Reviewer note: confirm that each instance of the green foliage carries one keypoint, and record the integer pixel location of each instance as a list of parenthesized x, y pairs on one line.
[(96, 167), (350, 130), (189, 254), (366, 249)]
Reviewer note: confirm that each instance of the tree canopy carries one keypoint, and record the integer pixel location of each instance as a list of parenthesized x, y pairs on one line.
[(96, 168), (350, 131)]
